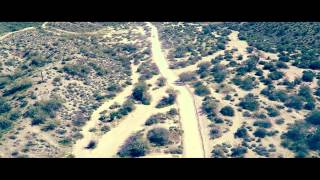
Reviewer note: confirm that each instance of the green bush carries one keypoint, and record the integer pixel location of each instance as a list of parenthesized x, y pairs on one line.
[(272, 112), (295, 102), (4, 106), (42, 110), (308, 76), (134, 147), (187, 76), (261, 133), (19, 86), (202, 90), (5, 125), (140, 93), (227, 111), (80, 70), (154, 119), (238, 151), (167, 101), (158, 136), (262, 124), (249, 102), (275, 75), (314, 118), (241, 133)]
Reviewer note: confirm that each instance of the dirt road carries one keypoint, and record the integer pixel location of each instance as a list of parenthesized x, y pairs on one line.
[(192, 139)]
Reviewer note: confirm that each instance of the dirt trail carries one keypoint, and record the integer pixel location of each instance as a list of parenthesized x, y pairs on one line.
[(79, 148), (110, 143), (21, 30), (192, 139)]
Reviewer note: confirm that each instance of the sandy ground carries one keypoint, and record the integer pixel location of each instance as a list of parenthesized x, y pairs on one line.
[(192, 138), (110, 143), (79, 149)]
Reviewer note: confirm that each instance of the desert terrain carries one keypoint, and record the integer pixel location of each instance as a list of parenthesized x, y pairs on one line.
[(159, 90)]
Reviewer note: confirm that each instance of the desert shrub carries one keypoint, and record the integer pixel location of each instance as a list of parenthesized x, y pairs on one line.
[(147, 70), (187, 76), (260, 132), (173, 112), (5, 125), (297, 138), (4, 106), (114, 87), (158, 136), (249, 102), (308, 76), (227, 111), (134, 146), (39, 61), (314, 118), (14, 115), (249, 49), (161, 81), (203, 67), (238, 151), (65, 141), (42, 110), (295, 102), (91, 145), (49, 127), (167, 101), (310, 105), (272, 112), (241, 133), (279, 121), (140, 93), (125, 109), (317, 92), (201, 90), (262, 124), (215, 132), (219, 73), (209, 107), (306, 93), (281, 65), (80, 70), (100, 71), (248, 83), (19, 86), (154, 119), (275, 75)]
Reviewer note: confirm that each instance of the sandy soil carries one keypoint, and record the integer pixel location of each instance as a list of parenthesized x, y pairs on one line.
[(79, 149), (192, 138)]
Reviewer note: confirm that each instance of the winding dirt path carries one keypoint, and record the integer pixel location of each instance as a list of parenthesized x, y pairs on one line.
[(192, 138), (21, 30)]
